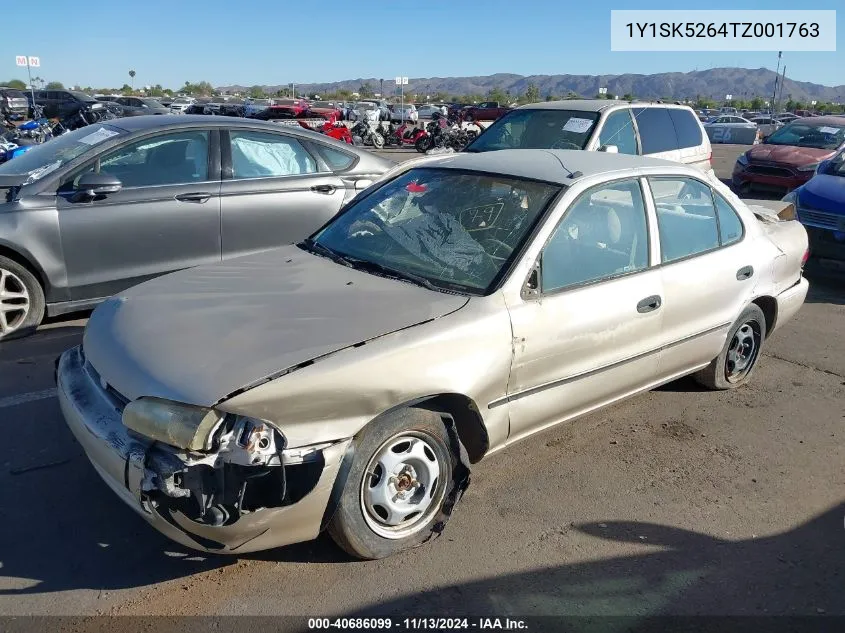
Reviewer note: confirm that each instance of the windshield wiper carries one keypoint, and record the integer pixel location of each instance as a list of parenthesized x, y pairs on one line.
[(322, 249), (363, 264)]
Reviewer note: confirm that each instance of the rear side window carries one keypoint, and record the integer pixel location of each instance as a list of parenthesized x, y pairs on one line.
[(686, 217), (336, 159), (687, 127), (730, 226), (657, 132)]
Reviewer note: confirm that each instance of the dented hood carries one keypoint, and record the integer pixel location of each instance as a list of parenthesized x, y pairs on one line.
[(199, 335)]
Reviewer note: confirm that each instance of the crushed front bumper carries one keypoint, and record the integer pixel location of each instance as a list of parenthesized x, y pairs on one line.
[(120, 457)]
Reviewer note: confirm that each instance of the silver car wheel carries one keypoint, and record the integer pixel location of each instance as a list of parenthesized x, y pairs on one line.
[(14, 302), (403, 485), (742, 352)]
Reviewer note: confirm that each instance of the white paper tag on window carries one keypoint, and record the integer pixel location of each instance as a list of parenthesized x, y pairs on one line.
[(97, 137), (577, 125), (829, 130)]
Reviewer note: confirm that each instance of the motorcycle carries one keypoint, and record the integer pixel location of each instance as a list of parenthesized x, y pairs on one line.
[(39, 128), (335, 130), (404, 136), (446, 134), (363, 134)]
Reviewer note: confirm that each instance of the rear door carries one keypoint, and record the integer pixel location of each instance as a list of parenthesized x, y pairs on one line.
[(165, 217), (706, 269), (276, 190), (693, 144)]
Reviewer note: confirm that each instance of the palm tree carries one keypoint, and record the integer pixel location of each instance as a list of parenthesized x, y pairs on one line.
[(132, 77)]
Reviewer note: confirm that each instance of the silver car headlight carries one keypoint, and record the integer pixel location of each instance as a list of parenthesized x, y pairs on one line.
[(810, 167), (181, 425)]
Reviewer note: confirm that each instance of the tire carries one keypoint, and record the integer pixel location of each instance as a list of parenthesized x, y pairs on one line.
[(469, 118), (735, 364), (21, 300), (378, 140), (367, 527), (423, 144)]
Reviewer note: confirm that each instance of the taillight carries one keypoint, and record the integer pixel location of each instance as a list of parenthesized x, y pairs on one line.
[(805, 257)]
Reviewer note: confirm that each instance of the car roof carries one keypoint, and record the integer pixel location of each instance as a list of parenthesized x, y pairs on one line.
[(820, 120), (593, 105), (548, 165), (166, 121)]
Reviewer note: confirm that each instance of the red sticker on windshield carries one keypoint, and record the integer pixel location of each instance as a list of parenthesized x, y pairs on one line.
[(415, 188)]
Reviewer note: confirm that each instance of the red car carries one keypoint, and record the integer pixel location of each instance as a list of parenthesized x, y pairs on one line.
[(789, 157), (486, 111)]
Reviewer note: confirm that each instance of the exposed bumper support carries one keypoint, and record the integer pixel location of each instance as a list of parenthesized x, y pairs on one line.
[(128, 463)]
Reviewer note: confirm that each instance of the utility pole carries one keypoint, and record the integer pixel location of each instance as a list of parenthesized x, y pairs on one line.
[(775, 89), (782, 81)]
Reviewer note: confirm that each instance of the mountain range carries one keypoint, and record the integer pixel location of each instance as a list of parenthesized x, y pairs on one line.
[(714, 83)]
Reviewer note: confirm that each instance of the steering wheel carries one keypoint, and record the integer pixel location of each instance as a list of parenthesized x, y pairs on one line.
[(564, 145)]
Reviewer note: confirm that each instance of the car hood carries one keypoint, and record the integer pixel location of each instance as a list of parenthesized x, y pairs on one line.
[(202, 334), (788, 154), (825, 193)]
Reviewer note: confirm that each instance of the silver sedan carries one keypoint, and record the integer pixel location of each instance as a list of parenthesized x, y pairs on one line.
[(347, 383)]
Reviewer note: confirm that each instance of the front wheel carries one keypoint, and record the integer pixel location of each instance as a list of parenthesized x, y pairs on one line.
[(735, 364), (423, 144), (402, 475), (378, 140), (21, 300)]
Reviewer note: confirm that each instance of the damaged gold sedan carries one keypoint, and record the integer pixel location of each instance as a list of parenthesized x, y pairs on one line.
[(348, 382)]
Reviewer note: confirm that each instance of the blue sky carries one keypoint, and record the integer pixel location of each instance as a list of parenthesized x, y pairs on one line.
[(227, 42)]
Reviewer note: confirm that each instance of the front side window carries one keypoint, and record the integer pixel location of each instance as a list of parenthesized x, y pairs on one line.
[(618, 130), (170, 159), (265, 155), (449, 228), (537, 129), (686, 217), (657, 132), (603, 234)]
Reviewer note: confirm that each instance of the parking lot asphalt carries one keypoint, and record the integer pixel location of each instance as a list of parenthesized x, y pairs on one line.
[(677, 501)]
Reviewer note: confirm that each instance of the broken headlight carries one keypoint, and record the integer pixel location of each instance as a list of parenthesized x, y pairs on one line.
[(181, 425)]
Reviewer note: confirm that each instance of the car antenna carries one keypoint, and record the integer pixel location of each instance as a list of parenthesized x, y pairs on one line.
[(572, 174)]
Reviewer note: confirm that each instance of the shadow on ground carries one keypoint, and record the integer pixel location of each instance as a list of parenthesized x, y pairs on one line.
[(798, 572)]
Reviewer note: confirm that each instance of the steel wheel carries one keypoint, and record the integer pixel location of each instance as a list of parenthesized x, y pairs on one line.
[(14, 302), (403, 485), (742, 351)]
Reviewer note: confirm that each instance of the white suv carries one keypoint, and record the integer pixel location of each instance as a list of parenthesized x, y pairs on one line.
[(660, 130)]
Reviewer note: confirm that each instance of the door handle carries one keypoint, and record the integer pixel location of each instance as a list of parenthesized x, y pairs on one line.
[(327, 189), (744, 273), (649, 304), (193, 197)]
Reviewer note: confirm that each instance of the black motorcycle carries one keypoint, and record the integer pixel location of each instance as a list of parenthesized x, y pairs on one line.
[(363, 134)]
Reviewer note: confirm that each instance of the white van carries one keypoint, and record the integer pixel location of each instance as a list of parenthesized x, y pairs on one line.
[(661, 130)]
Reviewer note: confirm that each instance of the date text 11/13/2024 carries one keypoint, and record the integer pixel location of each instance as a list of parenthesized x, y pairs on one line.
[(417, 624)]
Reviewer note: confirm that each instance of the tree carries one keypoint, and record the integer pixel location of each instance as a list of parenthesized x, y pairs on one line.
[(17, 84), (257, 92), (757, 104), (550, 97), (132, 78), (55, 85), (365, 90), (627, 97), (497, 94), (532, 93)]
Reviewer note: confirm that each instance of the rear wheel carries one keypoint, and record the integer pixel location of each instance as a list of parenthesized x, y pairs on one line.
[(423, 144), (396, 488), (21, 300), (735, 364)]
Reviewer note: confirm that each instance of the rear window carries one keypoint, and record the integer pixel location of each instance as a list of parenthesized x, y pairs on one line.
[(657, 132), (687, 127)]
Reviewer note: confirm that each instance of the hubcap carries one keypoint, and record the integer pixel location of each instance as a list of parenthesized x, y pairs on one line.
[(14, 302), (403, 485), (742, 352)]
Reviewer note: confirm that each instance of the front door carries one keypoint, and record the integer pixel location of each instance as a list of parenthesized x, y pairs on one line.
[(273, 192), (165, 217), (592, 332)]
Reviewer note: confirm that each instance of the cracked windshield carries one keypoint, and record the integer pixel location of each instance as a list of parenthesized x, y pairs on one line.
[(455, 229)]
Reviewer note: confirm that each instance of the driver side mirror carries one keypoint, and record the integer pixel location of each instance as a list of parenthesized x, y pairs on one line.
[(92, 185), (610, 149)]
